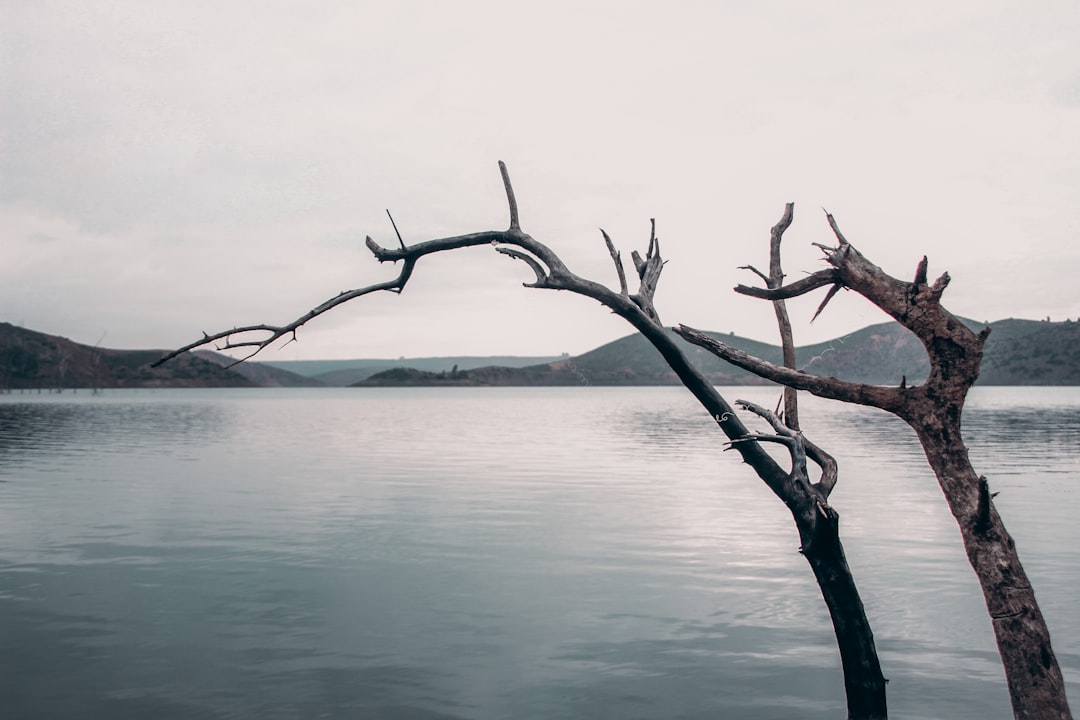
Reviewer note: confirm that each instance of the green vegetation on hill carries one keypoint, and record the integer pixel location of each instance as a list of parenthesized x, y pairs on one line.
[(1026, 352), (33, 360), (552, 374), (632, 360), (260, 374), (340, 373), (1018, 352)]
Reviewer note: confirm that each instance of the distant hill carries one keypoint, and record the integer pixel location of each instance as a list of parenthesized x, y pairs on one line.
[(1018, 352), (33, 360), (540, 375), (346, 372), (261, 374), (1029, 352)]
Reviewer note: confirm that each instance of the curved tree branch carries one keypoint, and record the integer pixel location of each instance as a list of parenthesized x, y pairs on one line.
[(800, 287), (816, 522), (876, 395), (276, 332), (551, 273)]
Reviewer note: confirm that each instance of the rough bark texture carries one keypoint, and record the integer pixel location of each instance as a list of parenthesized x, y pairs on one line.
[(933, 410), (819, 534), (863, 682), (816, 521)]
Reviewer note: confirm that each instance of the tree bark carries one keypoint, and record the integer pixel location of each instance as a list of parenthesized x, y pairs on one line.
[(933, 410), (864, 685), (819, 532), (1035, 681)]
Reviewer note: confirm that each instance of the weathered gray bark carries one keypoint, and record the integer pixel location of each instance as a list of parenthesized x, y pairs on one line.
[(933, 409), (819, 533), (864, 683), (816, 521)]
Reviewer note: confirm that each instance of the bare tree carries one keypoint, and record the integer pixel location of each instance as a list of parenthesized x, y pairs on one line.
[(933, 409), (815, 519)]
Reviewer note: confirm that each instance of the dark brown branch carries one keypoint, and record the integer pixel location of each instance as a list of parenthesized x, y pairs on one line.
[(275, 332), (783, 321), (515, 223), (784, 435), (616, 257), (775, 279), (541, 275), (801, 448), (934, 409), (835, 228), (807, 449), (648, 270), (800, 287), (757, 272), (769, 416), (396, 231), (920, 271), (828, 296), (410, 255), (954, 351), (762, 437), (816, 524), (827, 463), (776, 273), (552, 273), (878, 396)]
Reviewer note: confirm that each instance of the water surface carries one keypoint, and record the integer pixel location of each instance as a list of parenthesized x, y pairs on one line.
[(494, 553)]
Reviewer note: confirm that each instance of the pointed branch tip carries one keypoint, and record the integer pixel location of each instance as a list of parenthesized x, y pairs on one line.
[(396, 232), (515, 223)]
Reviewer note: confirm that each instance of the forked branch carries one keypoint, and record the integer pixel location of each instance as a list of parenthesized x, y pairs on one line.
[(273, 333), (817, 527), (241, 337), (550, 272), (933, 409), (874, 395)]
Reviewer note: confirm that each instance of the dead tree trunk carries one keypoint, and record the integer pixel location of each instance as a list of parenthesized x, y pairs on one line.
[(864, 683), (933, 409), (807, 502), (819, 532)]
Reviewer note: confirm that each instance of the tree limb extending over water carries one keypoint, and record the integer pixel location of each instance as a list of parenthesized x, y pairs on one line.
[(933, 409), (808, 502)]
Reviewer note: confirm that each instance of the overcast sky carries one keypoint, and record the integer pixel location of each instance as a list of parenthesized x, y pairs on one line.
[(173, 167)]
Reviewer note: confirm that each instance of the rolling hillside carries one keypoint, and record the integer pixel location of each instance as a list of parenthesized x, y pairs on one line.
[(33, 360), (1018, 352), (340, 373)]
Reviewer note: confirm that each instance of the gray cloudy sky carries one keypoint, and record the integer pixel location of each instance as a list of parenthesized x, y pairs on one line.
[(173, 167)]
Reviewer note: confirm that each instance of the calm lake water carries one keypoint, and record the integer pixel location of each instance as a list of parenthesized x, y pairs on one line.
[(494, 553)]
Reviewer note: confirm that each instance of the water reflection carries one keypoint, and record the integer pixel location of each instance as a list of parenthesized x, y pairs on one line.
[(59, 428)]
